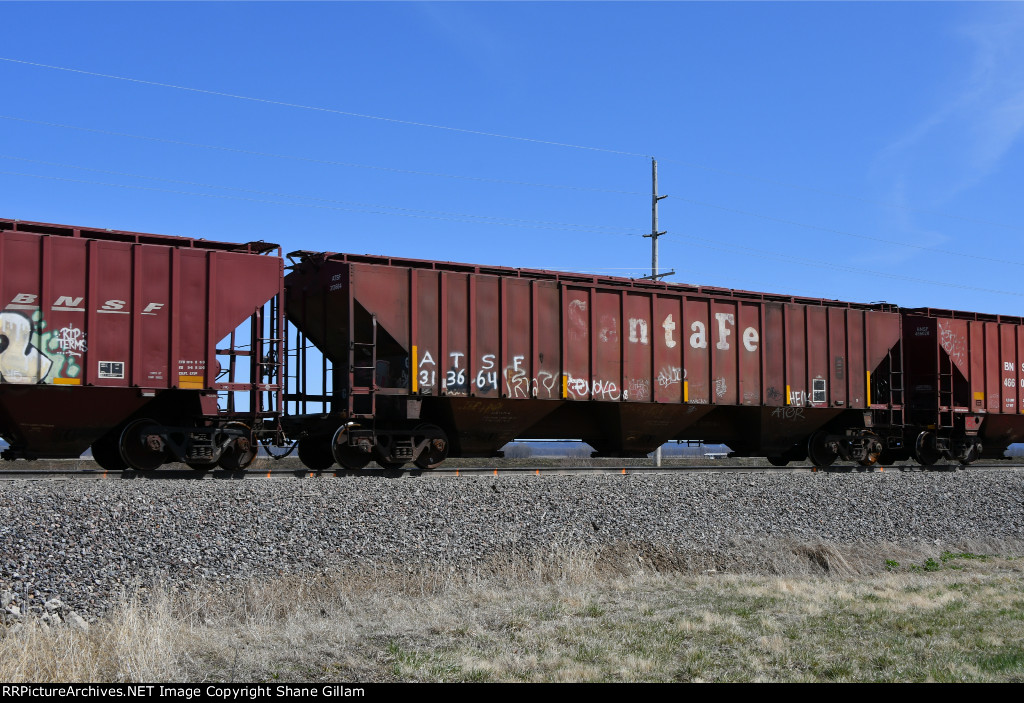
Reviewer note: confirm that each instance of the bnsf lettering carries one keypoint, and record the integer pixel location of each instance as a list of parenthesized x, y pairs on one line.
[(69, 303), (66, 302)]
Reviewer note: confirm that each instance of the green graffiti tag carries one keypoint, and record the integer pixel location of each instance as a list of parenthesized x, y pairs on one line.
[(61, 346)]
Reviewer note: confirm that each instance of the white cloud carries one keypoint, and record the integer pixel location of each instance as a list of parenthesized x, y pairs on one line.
[(981, 121)]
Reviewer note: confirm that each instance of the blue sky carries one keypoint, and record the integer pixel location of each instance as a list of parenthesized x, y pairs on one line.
[(862, 151)]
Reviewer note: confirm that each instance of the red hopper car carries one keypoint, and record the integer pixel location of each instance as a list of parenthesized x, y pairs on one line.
[(430, 358), (158, 349), (109, 340)]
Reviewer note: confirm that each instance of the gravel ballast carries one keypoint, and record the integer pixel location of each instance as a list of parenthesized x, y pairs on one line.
[(80, 545)]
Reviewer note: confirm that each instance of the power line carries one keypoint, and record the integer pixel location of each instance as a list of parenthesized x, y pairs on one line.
[(314, 108), (502, 136), (621, 230), (468, 219), (567, 226), (325, 162), (463, 216)]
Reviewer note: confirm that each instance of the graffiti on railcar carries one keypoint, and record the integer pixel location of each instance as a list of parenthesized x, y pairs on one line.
[(577, 388), (519, 384), (670, 375), (952, 343), (31, 354), (721, 387), (639, 388), (788, 413), (548, 382)]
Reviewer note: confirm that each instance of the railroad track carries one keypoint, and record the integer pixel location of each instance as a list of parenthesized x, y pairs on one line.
[(220, 474)]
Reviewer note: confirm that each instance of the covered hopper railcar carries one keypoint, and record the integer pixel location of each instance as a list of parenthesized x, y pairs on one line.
[(430, 359), (153, 349), (109, 340), (964, 384)]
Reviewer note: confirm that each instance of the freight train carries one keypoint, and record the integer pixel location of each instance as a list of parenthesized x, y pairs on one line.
[(151, 349)]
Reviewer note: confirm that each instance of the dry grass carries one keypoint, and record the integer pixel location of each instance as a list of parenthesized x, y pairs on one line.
[(566, 617), (139, 643)]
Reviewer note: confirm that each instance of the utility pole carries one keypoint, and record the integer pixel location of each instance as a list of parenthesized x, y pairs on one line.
[(655, 198)]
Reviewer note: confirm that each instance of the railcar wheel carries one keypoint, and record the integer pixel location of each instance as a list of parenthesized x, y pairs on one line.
[(436, 450), (315, 453), (241, 452), (874, 450), (820, 452), (141, 445), (346, 455), (107, 454), (925, 451), (970, 453), (778, 461)]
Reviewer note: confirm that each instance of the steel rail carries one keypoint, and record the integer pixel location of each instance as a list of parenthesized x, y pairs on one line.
[(477, 471)]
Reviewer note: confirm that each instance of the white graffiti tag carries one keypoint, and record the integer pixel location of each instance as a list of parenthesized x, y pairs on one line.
[(639, 388), (71, 341), (670, 375), (951, 344), (720, 387), (598, 389)]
